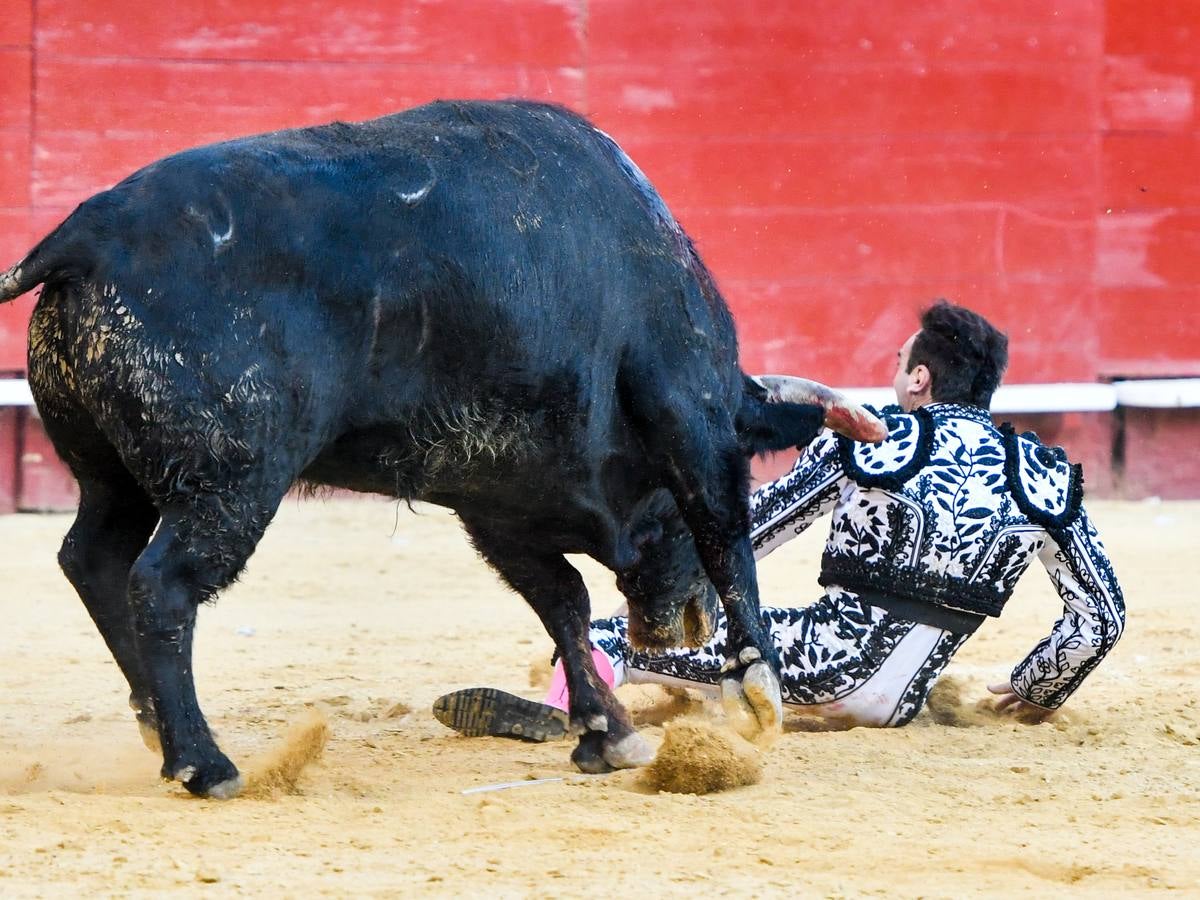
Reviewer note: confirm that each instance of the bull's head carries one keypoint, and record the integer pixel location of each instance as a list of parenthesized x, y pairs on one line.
[(671, 601)]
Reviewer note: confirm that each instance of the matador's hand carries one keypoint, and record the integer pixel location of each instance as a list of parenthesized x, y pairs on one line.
[(1008, 703)]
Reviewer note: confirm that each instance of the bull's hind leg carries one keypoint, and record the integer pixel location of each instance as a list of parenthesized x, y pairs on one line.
[(555, 590), (112, 527), (199, 548), (710, 479)]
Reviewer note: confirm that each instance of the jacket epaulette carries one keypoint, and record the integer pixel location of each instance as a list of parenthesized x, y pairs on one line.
[(1047, 487), (889, 464)]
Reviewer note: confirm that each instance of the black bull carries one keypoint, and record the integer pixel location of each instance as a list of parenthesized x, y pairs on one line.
[(480, 305)]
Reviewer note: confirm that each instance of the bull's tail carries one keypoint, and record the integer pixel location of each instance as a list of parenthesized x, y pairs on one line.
[(24, 276), (17, 280), (46, 261)]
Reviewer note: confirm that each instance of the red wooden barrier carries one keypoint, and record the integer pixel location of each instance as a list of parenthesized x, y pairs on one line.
[(10, 444), (841, 148), (839, 162), (45, 483), (1159, 454)]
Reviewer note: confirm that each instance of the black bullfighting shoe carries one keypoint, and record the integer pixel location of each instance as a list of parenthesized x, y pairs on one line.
[(481, 711)]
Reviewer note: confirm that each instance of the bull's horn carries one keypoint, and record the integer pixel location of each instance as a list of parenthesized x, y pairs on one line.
[(841, 415)]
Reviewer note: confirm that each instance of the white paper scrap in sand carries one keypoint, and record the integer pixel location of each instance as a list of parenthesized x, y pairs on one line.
[(505, 785), (529, 782)]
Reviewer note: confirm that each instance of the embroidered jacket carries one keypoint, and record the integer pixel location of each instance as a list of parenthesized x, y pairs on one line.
[(951, 510)]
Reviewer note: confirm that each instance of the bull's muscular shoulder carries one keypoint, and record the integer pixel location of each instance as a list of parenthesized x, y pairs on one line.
[(1047, 487), (893, 461)]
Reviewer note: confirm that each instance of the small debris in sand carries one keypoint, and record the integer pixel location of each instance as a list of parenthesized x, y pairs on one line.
[(698, 757), (397, 709), (540, 671), (278, 771)]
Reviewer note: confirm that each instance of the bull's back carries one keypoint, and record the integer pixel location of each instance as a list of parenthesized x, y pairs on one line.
[(526, 205), (369, 267)]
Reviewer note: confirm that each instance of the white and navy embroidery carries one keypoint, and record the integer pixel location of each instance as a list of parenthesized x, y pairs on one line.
[(827, 651), (959, 531), (1047, 488), (791, 503), (1092, 622), (893, 461), (917, 692), (934, 536)]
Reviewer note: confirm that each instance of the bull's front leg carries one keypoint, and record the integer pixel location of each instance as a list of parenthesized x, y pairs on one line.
[(555, 590), (750, 689), (711, 489), (607, 739)]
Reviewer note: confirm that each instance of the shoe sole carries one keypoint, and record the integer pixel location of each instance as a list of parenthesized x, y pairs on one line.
[(488, 712)]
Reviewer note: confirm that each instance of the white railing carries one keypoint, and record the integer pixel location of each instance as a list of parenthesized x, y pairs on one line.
[(15, 392), (1156, 393)]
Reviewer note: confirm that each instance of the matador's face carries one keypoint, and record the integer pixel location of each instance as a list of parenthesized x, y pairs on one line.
[(903, 378)]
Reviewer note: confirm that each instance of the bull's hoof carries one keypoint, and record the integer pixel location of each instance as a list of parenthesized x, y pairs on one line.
[(227, 790), (588, 755), (628, 752), (752, 702), (598, 752), (218, 779)]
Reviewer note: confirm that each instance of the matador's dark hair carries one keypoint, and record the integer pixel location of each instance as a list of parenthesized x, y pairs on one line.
[(964, 352)]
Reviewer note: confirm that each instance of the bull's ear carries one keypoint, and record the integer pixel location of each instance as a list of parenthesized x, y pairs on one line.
[(769, 427)]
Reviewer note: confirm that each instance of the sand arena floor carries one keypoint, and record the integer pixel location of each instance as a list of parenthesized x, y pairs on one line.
[(368, 612)]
